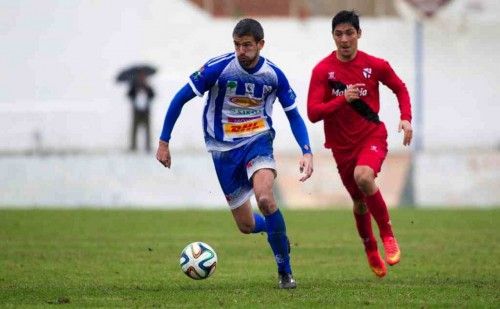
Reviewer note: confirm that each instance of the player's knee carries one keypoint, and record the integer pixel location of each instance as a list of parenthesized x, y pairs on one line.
[(266, 204), (245, 228), (364, 179)]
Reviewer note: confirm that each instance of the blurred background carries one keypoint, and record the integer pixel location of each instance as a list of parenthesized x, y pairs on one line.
[(66, 121)]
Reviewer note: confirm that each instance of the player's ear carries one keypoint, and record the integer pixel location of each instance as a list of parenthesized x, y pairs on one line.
[(359, 33), (333, 35), (260, 44)]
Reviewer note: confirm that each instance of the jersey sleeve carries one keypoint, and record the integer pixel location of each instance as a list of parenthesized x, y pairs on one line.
[(299, 130), (284, 92), (287, 96), (174, 110), (319, 106), (205, 77), (389, 78)]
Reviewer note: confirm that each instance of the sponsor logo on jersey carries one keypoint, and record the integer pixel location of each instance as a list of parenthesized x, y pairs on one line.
[(245, 127), (249, 88), (244, 112), (267, 90), (291, 94), (196, 76), (337, 92), (331, 75), (240, 120), (367, 72), (245, 101), (231, 87)]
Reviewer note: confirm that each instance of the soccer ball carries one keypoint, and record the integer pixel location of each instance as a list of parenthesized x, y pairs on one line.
[(198, 260)]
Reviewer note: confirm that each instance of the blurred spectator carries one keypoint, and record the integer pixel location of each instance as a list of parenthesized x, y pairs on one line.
[(141, 96)]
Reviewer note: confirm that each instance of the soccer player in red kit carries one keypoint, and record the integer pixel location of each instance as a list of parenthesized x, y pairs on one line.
[(344, 93)]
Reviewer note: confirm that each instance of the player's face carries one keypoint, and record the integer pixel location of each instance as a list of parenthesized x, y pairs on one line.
[(247, 50), (346, 38)]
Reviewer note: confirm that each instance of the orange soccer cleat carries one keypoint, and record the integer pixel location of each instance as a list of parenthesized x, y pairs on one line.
[(392, 252), (376, 263)]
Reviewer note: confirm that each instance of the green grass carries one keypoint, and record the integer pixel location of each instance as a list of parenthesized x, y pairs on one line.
[(126, 258)]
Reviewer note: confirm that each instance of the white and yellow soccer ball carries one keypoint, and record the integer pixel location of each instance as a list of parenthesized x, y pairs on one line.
[(198, 260)]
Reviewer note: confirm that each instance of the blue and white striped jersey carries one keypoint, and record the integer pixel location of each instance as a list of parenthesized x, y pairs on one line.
[(240, 102)]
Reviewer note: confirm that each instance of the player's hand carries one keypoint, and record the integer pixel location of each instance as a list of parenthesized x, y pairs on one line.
[(306, 166), (351, 93), (163, 154), (405, 125)]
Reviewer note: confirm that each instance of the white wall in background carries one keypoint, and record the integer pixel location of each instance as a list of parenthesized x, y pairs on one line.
[(139, 181), (57, 70), (60, 57), (118, 180), (457, 179)]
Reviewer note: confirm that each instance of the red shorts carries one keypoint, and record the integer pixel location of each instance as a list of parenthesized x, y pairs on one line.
[(371, 152)]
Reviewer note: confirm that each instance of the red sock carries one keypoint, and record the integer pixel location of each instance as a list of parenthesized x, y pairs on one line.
[(378, 209), (364, 225)]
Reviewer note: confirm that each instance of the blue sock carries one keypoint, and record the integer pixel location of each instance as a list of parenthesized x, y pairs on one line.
[(276, 236), (260, 223)]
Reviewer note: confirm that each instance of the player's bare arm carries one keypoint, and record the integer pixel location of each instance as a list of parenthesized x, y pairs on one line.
[(352, 92), (163, 154), (306, 166), (405, 125)]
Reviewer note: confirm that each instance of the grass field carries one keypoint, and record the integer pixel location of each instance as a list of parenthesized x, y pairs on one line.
[(126, 258)]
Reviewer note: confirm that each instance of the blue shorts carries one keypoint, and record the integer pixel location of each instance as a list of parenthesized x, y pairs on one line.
[(236, 167)]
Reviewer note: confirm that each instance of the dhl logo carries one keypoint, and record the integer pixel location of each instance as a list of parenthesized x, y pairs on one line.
[(246, 127)]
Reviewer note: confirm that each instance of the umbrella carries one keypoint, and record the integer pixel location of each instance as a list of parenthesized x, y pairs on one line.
[(130, 74)]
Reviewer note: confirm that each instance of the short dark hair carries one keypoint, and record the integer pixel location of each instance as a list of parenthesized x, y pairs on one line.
[(346, 17), (249, 26)]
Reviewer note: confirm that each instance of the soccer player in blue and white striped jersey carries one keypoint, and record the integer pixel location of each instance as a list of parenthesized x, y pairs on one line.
[(242, 87)]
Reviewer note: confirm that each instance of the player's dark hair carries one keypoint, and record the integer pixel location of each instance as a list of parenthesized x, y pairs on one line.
[(346, 17), (249, 26)]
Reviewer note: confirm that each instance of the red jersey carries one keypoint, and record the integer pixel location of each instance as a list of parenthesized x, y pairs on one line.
[(344, 127)]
